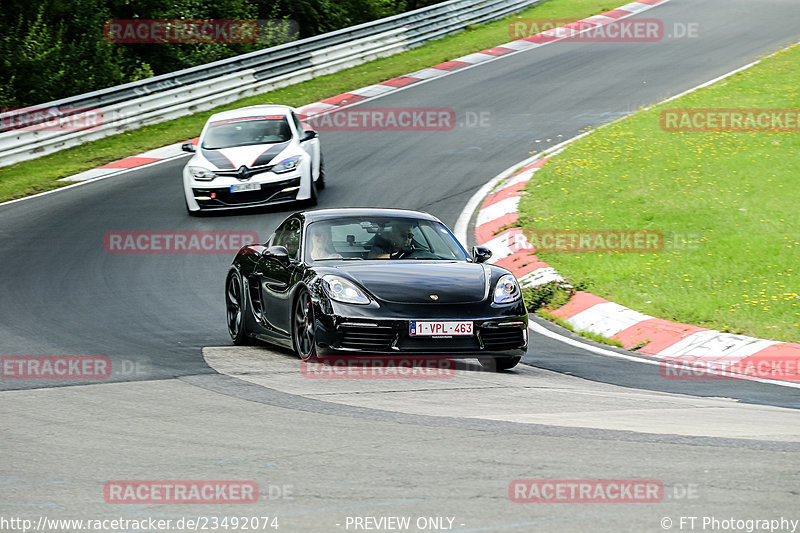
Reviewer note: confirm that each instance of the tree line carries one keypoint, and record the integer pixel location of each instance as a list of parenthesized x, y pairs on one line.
[(52, 49)]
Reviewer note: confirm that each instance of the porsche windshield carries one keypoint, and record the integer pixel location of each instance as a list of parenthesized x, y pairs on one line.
[(247, 131), (381, 238)]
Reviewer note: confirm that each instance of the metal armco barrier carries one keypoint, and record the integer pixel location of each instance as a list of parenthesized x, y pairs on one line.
[(184, 92)]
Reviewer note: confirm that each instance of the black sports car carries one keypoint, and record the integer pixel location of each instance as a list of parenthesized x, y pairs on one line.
[(377, 282)]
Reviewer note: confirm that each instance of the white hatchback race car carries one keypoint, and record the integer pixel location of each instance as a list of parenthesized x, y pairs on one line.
[(253, 156)]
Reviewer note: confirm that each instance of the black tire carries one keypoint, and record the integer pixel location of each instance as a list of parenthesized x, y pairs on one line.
[(236, 309), (303, 327), (497, 364), (321, 177)]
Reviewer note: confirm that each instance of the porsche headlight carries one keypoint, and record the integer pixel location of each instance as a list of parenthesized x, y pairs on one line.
[(287, 165), (202, 174), (342, 290), (506, 290)]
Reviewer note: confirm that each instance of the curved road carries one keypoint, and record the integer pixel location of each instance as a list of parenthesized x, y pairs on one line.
[(153, 314)]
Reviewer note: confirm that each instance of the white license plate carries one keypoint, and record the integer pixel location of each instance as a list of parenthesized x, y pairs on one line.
[(431, 329), (241, 187)]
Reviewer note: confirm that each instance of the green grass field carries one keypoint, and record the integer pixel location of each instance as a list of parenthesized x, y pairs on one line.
[(41, 174), (728, 203)]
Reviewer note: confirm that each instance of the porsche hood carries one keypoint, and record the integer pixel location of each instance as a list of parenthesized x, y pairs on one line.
[(422, 282)]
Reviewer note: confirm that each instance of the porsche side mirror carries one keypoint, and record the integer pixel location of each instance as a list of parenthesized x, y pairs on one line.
[(188, 147), (255, 249), (481, 254), (278, 253), (308, 135)]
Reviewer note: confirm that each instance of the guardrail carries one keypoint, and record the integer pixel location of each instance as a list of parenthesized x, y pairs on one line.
[(184, 92)]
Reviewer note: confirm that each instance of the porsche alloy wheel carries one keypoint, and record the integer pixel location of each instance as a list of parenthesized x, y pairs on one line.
[(303, 327), (235, 304)]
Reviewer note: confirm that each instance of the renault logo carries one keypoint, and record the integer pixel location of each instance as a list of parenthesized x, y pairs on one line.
[(243, 174), (434, 296)]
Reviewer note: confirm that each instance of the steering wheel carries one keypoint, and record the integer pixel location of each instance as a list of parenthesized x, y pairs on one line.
[(402, 252)]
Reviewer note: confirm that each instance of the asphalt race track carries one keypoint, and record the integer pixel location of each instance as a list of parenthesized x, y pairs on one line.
[(722, 448)]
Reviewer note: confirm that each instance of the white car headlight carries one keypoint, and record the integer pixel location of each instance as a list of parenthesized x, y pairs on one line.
[(342, 290), (506, 290), (287, 165), (202, 174)]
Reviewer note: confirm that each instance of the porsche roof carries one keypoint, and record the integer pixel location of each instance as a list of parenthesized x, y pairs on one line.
[(327, 214)]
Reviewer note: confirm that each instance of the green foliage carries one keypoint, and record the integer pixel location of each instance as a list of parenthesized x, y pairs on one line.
[(53, 49), (553, 294)]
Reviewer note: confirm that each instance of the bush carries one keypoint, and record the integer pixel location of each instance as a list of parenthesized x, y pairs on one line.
[(553, 294)]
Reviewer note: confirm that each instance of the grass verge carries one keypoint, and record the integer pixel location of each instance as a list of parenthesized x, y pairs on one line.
[(725, 201), (30, 177)]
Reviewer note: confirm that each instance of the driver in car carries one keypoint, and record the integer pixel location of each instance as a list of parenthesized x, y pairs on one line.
[(321, 246), (398, 242)]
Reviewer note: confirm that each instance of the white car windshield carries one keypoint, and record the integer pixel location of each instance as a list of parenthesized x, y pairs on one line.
[(246, 131)]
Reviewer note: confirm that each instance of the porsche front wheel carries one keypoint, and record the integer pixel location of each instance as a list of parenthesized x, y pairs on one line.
[(236, 307), (303, 327)]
